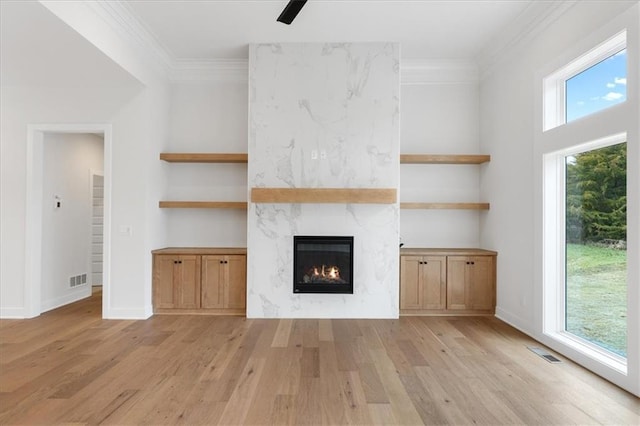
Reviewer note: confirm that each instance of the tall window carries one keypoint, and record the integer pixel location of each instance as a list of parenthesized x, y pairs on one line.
[(585, 208), (595, 247)]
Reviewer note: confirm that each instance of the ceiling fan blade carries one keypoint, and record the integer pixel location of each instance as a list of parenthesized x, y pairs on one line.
[(290, 11)]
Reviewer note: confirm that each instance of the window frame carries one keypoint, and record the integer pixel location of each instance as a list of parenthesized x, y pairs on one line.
[(554, 255), (554, 85)]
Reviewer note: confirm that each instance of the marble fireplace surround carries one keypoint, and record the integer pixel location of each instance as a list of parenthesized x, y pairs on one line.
[(323, 160)]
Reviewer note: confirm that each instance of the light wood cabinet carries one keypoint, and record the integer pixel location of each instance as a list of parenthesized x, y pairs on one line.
[(423, 282), (447, 281), (177, 281), (224, 281), (199, 280), (470, 284)]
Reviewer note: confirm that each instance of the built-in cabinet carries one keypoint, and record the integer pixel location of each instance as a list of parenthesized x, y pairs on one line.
[(447, 281), (432, 281), (199, 280)]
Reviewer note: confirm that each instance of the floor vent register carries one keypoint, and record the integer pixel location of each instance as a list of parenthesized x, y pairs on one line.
[(544, 354)]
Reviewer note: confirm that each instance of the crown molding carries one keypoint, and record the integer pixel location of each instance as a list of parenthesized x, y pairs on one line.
[(412, 71), (429, 71), (121, 18), (536, 17)]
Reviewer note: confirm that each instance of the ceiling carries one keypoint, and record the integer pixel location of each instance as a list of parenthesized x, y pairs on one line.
[(39, 49), (54, 55), (426, 29)]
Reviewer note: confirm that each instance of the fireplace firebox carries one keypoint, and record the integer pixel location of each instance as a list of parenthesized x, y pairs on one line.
[(322, 264)]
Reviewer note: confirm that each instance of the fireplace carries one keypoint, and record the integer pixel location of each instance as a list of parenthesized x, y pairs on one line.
[(322, 264)]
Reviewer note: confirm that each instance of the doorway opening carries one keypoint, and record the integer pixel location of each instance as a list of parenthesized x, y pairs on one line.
[(43, 204)]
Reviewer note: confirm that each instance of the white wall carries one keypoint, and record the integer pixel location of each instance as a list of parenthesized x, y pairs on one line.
[(510, 120), (131, 99), (440, 118), (20, 107), (67, 162), (136, 184), (437, 116), (207, 116)]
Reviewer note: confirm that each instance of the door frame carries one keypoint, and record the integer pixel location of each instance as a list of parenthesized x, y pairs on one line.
[(33, 231)]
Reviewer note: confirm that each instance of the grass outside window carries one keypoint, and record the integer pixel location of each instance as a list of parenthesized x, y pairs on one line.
[(596, 295)]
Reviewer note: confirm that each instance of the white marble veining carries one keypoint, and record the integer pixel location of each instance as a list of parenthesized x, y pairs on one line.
[(340, 101)]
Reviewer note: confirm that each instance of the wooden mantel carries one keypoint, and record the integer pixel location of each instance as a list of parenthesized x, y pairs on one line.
[(324, 195)]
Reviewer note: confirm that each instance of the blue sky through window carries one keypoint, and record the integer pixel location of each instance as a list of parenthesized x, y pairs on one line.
[(596, 88)]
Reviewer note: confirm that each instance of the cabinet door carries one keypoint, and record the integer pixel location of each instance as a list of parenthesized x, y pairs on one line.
[(213, 281), (471, 283), (457, 272), (410, 286), (186, 281), (481, 283), (236, 280), (163, 290), (433, 273)]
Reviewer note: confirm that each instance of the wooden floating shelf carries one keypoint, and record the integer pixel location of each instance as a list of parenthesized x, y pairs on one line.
[(446, 206), (181, 157), (318, 198), (324, 195), (177, 157), (203, 205), (443, 159)]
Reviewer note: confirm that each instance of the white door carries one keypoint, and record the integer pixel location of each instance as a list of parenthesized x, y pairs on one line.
[(97, 222)]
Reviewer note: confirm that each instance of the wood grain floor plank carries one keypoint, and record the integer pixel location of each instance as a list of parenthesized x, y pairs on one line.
[(310, 362), (237, 408), (356, 408), (372, 386), (310, 333), (281, 339), (69, 366), (428, 410), (308, 409), (381, 414), (332, 400), (325, 330), (283, 412), (454, 411), (403, 409)]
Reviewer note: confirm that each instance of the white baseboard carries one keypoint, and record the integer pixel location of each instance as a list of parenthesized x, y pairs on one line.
[(72, 296), (129, 313), (515, 321), (12, 313)]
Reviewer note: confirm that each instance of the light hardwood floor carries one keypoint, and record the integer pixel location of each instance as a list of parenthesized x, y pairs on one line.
[(70, 366)]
